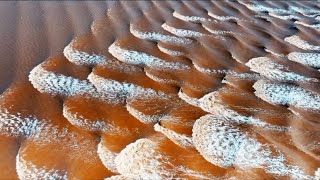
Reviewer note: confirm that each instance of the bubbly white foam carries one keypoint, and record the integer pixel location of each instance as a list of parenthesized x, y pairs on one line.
[(309, 59), (155, 36), (272, 70), (300, 43), (139, 58), (284, 94)]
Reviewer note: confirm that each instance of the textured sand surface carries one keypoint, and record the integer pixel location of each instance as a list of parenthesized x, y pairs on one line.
[(160, 90)]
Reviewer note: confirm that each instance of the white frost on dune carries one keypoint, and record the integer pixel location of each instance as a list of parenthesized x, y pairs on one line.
[(222, 18), (91, 125), (224, 144), (189, 18), (217, 32), (272, 70), (182, 32), (155, 36), (300, 43), (314, 26), (107, 157), (141, 160), (119, 92), (144, 118), (284, 94), (274, 53), (259, 8), (169, 51), (139, 58), (227, 72), (179, 139), (15, 125), (58, 84), (211, 103), (283, 17), (27, 170), (83, 58), (118, 177), (309, 59), (160, 80)]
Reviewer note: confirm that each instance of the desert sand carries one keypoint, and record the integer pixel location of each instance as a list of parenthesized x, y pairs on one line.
[(160, 90)]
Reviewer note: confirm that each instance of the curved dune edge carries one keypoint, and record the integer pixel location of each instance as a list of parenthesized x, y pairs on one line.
[(247, 82)]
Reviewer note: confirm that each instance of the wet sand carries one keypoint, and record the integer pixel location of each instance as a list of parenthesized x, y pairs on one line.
[(160, 90)]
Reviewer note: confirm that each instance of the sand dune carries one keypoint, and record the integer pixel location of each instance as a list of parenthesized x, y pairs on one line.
[(160, 90)]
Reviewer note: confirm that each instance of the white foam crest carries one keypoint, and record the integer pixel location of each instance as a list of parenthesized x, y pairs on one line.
[(314, 26), (140, 160), (224, 144), (119, 92), (309, 59), (91, 125), (227, 72), (190, 18), (272, 70), (83, 58), (58, 84), (107, 157), (169, 51), (283, 94), (300, 43), (182, 32), (16, 125), (27, 170), (139, 58), (155, 36), (178, 139), (222, 18)]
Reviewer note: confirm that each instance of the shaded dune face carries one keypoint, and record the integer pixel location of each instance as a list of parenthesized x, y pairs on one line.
[(168, 90)]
